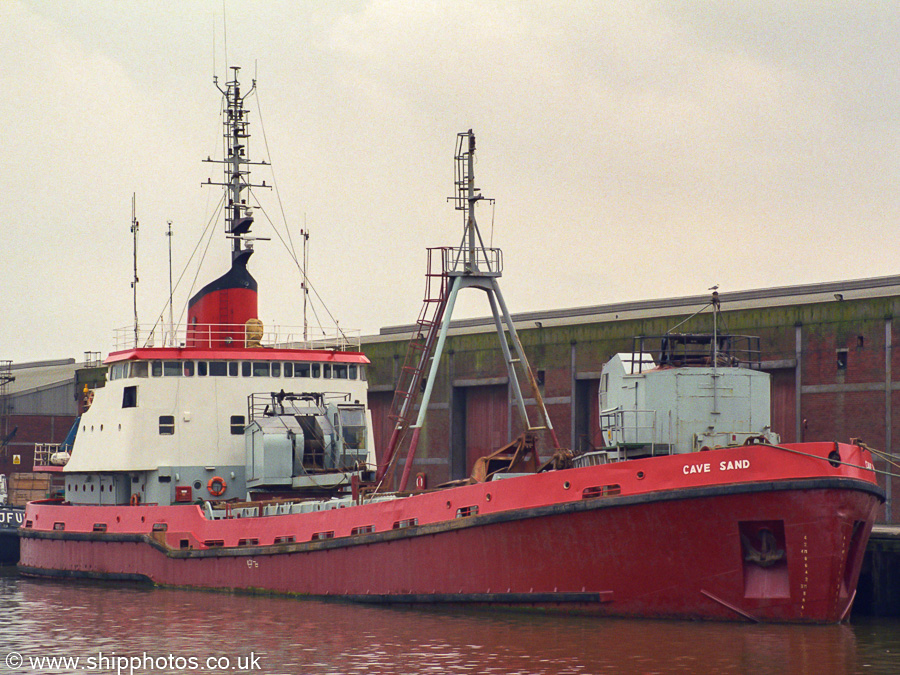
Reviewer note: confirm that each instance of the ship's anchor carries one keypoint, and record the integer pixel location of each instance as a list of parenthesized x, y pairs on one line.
[(767, 554)]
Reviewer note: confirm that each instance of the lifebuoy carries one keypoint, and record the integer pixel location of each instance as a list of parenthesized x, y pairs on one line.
[(135, 499), (216, 486)]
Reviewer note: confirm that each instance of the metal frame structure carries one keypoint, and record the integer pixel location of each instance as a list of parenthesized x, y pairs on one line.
[(471, 265)]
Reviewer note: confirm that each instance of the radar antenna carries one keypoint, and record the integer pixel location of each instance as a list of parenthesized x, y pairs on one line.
[(135, 226), (236, 165)]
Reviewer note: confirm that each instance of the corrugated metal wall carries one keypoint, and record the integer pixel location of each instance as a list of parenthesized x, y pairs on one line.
[(58, 399)]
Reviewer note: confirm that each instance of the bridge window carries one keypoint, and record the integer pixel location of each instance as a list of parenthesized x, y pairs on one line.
[(260, 369), (316, 370), (352, 372), (232, 368), (301, 370), (326, 371), (218, 368), (188, 368), (276, 369), (156, 368), (172, 368), (288, 369), (202, 368), (139, 369), (246, 369), (340, 371)]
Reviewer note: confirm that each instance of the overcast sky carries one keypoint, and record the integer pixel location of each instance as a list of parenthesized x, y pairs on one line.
[(635, 150)]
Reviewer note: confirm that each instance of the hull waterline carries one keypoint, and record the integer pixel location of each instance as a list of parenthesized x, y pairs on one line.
[(693, 552)]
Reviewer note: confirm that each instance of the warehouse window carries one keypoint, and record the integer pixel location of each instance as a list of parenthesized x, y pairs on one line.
[(842, 359)]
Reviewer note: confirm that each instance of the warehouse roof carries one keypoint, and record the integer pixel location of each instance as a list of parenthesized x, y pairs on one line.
[(778, 296), (37, 375)]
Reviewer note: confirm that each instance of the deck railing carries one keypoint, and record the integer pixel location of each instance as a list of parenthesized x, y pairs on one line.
[(623, 428), (236, 335), (49, 455)]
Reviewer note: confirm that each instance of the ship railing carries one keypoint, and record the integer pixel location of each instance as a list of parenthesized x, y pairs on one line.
[(622, 430), (49, 456), (464, 261), (237, 335), (268, 404), (695, 349)]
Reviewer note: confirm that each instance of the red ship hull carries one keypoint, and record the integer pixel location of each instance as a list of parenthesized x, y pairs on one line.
[(778, 536)]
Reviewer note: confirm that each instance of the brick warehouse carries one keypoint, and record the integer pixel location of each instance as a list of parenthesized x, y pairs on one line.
[(829, 348), (37, 405)]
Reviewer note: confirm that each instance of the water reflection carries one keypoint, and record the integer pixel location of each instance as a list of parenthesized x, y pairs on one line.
[(296, 636)]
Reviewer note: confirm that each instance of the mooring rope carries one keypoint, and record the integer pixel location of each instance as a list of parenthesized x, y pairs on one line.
[(834, 461)]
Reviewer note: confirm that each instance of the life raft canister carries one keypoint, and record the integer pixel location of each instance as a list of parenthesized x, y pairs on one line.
[(216, 486)]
